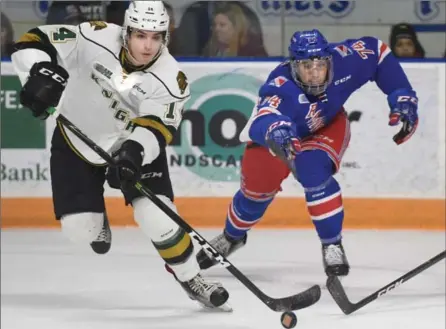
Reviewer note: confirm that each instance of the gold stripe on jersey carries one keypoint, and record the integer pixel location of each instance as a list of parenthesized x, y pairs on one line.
[(36, 39), (154, 124), (177, 249), (29, 37), (71, 146), (98, 25)]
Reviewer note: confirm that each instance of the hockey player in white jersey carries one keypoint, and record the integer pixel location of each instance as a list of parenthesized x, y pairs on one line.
[(123, 89)]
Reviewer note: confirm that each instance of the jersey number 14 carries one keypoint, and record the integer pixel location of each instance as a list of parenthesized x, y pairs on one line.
[(63, 35)]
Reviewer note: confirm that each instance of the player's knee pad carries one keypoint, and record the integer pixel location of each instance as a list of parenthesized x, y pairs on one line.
[(314, 169), (172, 242), (82, 227)]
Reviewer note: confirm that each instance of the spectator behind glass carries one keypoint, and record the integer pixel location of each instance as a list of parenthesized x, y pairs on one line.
[(7, 35), (173, 43), (404, 42), (231, 35), (194, 30), (76, 12)]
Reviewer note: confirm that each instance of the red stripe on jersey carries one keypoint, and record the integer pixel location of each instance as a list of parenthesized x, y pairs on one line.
[(326, 207), (258, 196), (238, 223), (263, 112), (382, 50)]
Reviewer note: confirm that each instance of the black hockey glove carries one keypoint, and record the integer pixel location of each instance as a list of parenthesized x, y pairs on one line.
[(129, 162), (44, 88)]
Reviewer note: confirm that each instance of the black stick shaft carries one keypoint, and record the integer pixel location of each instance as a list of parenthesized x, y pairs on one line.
[(338, 293), (295, 302), (409, 275)]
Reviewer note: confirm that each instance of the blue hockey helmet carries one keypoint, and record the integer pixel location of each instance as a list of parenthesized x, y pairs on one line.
[(311, 61)]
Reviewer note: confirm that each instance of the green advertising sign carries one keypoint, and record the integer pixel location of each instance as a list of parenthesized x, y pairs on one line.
[(19, 129)]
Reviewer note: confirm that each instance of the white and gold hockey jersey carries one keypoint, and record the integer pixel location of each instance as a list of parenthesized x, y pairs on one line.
[(102, 98)]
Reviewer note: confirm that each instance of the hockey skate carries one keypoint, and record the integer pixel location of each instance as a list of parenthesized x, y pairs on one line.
[(334, 260), (210, 295), (102, 243), (224, 244)]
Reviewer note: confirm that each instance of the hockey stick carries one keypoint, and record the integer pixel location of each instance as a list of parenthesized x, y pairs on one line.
[(337, 291), (294, 302)]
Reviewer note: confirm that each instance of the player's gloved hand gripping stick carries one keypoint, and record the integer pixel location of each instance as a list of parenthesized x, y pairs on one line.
[(294, 302)]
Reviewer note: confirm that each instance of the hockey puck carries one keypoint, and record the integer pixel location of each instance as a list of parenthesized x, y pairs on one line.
[(288, 320)]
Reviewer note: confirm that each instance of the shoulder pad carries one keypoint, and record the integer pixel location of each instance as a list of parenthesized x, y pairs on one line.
[(279, 85), (342, 49), (169, 76), (102, 33)]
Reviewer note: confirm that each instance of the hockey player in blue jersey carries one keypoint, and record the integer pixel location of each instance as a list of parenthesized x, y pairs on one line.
[(299, 125)]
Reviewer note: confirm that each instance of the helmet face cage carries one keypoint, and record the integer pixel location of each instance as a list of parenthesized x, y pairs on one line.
[(148, 16), (310, 48), (307, 86)]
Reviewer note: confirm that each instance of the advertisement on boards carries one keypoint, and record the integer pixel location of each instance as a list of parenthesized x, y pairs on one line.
[(204, 157)]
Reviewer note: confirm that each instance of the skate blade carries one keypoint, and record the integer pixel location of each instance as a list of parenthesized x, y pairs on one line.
[(225, 308)]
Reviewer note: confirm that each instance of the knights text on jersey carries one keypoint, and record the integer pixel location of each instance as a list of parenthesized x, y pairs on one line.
[(355, 63), (101, 98)]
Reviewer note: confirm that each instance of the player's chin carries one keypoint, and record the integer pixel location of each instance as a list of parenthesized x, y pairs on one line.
[(145, 59)]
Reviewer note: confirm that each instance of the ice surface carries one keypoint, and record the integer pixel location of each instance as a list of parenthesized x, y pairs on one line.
[(47, 282)]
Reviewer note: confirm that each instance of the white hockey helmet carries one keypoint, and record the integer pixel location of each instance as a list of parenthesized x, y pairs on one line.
[(148, 16)]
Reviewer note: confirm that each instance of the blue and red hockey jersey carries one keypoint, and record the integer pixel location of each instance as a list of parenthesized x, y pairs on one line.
[(355, 62)]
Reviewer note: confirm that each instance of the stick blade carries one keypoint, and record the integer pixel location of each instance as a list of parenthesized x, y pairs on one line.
[(337, 291), (296, 302)]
